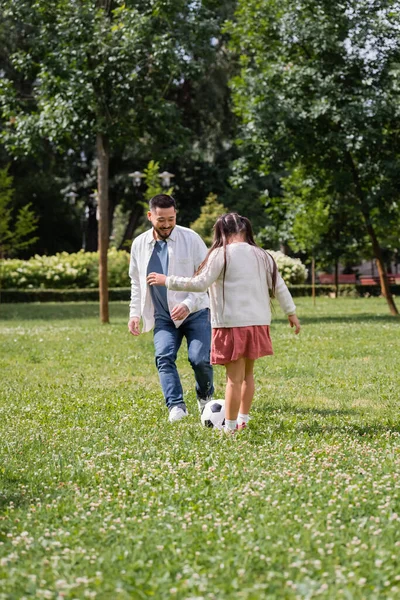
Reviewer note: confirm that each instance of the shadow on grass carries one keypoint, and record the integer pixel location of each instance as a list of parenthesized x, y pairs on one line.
[(90, 310), (346, 319), (61, 311), (11, 492), (355, 430), (295, 410), (319, 428)]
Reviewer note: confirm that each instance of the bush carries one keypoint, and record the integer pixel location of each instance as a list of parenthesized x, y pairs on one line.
[(64, 271), (123, 294), (292, 269), (347, 289), (209, 213), (69, 295)]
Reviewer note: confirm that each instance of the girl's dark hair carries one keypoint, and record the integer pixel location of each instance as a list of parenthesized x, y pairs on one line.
[(162, 201), (232, 224)]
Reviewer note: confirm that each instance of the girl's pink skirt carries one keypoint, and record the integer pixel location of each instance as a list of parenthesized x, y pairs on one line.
[(231, 343)]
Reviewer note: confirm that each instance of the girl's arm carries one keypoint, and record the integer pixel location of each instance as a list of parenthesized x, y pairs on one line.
[(294, 322), (199, 283), (283, 296), (285, 300)]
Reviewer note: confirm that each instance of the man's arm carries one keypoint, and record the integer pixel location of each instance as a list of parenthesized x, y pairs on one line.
[(133, 325), (134, 307)]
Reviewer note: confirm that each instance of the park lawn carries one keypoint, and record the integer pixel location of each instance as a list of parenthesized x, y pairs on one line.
[(100, 497)]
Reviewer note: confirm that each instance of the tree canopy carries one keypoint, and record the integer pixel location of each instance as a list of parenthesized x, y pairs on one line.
[(305, 141), (318, 89)]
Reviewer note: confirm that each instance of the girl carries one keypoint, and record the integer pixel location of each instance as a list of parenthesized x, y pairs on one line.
[(239, 274)]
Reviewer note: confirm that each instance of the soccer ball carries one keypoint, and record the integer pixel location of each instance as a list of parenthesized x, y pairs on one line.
[(213, 414)]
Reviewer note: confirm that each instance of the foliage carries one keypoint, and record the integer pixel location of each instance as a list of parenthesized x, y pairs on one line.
[(63, 295), (101, 497), (182, 120), (151, 77), (310, 206), (292, 269), (94, 67), (63, 270), (15, 232), (120, 220), (152, 181), (318, 89), (123, 294), (310, 218), (209, 213)]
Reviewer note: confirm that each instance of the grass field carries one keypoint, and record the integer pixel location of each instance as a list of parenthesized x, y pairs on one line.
[(101, 497)]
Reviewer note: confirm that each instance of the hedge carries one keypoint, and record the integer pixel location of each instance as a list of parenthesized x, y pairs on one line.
[(79, 270), (351, 290), (123, 294), (72, 295)]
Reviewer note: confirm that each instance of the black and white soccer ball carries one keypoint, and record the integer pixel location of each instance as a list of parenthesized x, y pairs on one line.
[(213, 414)]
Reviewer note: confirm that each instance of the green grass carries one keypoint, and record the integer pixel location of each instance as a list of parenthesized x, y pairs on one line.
[(100, 497)]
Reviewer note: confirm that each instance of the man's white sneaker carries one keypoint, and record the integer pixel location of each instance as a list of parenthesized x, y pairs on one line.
[(176, 414)]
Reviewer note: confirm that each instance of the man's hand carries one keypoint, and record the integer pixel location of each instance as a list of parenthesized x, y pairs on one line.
[(180, 312), (294, 322), (133, 325), (156, 279)]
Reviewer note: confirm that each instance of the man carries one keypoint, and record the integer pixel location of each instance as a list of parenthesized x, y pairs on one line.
[(170, 249)]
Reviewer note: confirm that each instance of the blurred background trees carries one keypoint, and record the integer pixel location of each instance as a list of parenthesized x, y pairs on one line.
[(318, 90), (285, 112)]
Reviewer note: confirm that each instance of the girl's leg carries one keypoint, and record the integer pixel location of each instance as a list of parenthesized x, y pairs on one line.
[(247, 392), (235, 374)]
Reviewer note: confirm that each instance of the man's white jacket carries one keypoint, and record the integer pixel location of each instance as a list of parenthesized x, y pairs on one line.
[(186, 250)]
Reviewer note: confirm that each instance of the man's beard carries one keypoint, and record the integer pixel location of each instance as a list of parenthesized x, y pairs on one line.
[(163, 234)]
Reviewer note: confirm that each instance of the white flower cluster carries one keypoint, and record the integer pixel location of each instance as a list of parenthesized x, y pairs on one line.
[(63, 270), (292, 269)]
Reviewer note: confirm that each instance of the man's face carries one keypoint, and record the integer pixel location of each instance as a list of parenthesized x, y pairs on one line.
[(163, 221)]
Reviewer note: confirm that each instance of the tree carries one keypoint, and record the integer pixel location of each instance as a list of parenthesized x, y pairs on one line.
[(129, 224), (15, 230), (208, 215), (102, 70), (318, 88), (323, 225)]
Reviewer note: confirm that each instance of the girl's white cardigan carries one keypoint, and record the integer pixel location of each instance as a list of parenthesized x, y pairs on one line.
[(246, 298)]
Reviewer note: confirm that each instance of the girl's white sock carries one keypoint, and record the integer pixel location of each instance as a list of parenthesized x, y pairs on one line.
[(230, 425), (243, 419)]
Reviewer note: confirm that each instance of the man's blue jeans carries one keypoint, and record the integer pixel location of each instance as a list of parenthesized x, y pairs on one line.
[(167, 341)]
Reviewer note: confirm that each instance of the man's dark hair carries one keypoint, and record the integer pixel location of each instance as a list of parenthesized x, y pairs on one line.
[(162, 201)]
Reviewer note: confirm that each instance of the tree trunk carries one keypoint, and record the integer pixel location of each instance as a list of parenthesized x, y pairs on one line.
[(134, 217), (91, 232), (313, 279), (385, 289), (1, 273), (103, 159), (336, 278), (284, 248), (106, 5)]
